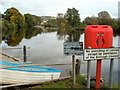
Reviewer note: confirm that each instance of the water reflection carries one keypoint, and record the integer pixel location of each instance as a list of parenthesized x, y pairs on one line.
[(13, 38), (69, 35), (31, 32)]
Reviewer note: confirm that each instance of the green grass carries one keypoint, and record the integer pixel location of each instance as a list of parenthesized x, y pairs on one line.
[(68, 83), (114, 85), (65, 83)]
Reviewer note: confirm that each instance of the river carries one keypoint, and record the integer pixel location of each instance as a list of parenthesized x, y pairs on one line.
[(47, 48)]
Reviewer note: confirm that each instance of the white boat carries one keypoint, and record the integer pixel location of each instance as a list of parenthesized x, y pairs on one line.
[(26, 74)]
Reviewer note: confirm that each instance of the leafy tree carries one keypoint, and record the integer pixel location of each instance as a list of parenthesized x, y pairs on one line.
[(29, 20), (32, 20), (38, 19), (14, 16), (8, 28), (91, 21), (105, 21), (61, 22), (104, 18), (103, 14), (73, 18)]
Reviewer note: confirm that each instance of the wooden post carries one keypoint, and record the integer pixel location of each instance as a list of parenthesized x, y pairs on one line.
[(24, 53), (110, 73), (78, 64), (73, 67), (88, 73)]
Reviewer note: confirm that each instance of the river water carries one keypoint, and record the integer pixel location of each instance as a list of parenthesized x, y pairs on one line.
[(47, 48)]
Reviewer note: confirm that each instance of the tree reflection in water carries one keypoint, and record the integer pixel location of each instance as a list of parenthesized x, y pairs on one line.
[(15, 37), (68, 34)]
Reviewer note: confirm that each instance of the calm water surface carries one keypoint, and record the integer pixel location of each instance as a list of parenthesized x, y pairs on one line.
[(47, 48)]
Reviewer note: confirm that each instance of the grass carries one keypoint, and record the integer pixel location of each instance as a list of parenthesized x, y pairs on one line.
[(68, 83), (114, 85), (65, 83)]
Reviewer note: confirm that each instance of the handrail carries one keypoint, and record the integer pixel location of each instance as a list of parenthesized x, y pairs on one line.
[(14, 48)]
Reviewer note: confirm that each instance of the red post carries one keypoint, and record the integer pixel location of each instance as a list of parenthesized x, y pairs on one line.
[(99, 62), (98, 73)]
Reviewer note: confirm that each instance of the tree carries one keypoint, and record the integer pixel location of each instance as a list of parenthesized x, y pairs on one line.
[(32, 20), (61, 24), (91, 20), (73, 17), (103, 14), (104, 18), (14, 16)]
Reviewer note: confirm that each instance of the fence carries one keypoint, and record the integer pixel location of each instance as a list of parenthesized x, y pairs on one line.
[(24, 53)]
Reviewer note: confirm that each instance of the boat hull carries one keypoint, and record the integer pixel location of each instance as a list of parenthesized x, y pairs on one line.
[(15, 77)]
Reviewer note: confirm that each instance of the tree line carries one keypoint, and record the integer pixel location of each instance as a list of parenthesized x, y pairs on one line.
[(71, 19), (16, 26), (70, 22), (12, 19)]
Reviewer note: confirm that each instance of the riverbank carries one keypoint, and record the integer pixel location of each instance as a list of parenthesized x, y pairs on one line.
[(66, 83)]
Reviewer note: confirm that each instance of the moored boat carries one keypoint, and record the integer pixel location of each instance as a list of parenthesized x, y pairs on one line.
[(26, 74)]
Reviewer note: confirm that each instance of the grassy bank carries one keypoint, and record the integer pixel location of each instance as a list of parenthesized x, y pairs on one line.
[(80, 80), (114, 85), (66, 83)]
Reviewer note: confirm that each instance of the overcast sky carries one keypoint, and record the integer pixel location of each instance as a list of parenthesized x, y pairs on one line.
[(52, 7)]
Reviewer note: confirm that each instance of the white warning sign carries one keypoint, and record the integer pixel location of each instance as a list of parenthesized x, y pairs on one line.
[(101, 53)]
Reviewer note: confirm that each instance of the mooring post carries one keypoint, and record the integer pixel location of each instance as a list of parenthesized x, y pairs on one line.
[(73, 66), (24, 53), (88, 73), (110, 74), (78, 64)]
